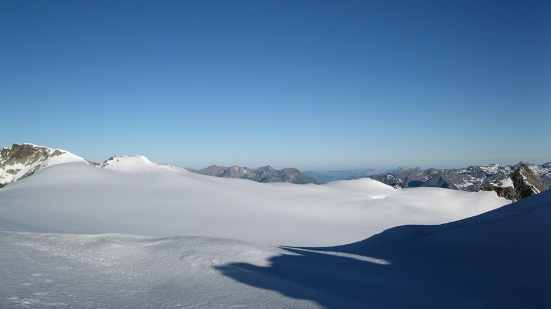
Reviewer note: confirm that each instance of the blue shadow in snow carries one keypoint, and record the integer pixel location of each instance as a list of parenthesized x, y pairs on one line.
[(422, 273), (329, 280)]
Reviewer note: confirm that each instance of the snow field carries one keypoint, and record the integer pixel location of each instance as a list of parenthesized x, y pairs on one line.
[(496, 259), (123, 271), (168, 201)]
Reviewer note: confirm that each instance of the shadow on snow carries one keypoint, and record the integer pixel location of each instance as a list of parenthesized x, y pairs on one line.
[(330, 280), (409, 277)]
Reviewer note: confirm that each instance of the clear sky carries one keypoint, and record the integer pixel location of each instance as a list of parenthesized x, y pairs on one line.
[(309, 84)]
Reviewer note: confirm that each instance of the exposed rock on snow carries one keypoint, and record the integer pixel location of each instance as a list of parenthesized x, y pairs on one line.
[(520, 184), (23, 160)]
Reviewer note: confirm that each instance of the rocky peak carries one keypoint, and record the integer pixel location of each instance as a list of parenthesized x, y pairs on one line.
[(266, 168), (214, 170), (237, 172), (526, 182), (24, 154), (521, 183), (23, 160)]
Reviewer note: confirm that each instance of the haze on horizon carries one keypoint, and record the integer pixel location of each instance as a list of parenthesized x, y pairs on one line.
[(314, 85)]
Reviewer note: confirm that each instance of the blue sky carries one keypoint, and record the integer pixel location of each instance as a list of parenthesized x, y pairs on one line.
[(310, 84)]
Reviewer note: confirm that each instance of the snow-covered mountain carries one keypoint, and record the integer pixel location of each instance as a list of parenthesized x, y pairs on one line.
[(473, 178), (498, 259), (262, 174), (136, 163), (22, 160)]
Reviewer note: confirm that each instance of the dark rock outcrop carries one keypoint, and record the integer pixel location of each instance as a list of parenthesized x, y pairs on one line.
[(21, 157), (23, 160), (524, 183)]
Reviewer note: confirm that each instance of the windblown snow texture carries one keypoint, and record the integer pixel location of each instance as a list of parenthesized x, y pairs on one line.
[(495, 260)]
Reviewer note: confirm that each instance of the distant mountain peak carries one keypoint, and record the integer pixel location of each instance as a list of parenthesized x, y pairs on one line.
[(261, 174), (266, 168)]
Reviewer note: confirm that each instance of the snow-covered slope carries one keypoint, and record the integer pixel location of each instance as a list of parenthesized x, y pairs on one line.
[(22, 160), (499, 259), (124, 271), (164, 201)]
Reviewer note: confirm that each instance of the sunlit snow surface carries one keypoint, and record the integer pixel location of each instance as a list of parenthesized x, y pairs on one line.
[(167, 201), (121, 271), (498, 259)]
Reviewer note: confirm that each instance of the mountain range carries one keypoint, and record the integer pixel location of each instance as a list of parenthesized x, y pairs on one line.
[(262, 174), (511, 181), (324, 176), (23, 160)]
